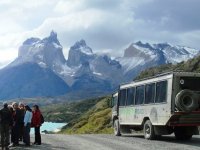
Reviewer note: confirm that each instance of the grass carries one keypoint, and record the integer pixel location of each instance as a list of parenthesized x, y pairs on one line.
[(96, 120)]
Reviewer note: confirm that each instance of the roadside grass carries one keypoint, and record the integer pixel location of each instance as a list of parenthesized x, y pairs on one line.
[(96, 120)]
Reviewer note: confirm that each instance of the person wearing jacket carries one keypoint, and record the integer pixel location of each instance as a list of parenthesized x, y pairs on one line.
[(36, 123), (21, 125), (6, 122), (16, 123), (27, 125)]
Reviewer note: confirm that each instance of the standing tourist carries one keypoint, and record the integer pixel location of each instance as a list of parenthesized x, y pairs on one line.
[(27, 125), (21, 122), (36, 123), (16, 123), (6, 123)]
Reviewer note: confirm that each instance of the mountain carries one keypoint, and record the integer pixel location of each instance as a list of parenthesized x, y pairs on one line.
[(140, 56), (42, 70), (30, 80), (192, 65), (47, 52), (46, 72), (79, 53)]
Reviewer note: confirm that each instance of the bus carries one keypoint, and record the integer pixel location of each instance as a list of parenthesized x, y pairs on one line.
[(160, 105)]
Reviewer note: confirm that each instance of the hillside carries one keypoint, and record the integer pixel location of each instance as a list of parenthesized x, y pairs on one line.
[(192, 65), (68, 111), (95, 120)]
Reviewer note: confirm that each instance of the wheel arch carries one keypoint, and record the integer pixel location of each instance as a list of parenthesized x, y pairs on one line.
[(144, 120)]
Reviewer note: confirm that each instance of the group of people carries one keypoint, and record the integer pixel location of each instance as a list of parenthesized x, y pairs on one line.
[(16, 121)]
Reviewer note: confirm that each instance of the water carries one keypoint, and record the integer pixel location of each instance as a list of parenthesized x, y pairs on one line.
[(50, 126)]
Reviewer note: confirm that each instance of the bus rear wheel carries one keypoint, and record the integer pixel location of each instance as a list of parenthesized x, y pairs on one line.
[(148, 130), (180, 134), (117, 128)]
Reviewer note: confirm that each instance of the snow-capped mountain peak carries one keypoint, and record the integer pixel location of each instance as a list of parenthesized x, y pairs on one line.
[(52, 38), (82, 47), (79, 53), (45, 52)]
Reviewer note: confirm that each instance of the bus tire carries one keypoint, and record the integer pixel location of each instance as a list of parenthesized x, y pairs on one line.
[(186, 101), (148, 129), (117, 128)]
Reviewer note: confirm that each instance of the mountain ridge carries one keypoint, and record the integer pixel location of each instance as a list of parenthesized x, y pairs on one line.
[(87, 72)]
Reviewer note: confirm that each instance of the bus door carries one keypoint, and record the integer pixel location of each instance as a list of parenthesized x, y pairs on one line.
[(122, 106)]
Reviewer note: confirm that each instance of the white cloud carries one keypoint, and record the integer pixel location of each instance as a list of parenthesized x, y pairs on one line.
[(105, 25)]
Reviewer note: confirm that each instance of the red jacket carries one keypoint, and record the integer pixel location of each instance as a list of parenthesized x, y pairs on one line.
[(36, 119)]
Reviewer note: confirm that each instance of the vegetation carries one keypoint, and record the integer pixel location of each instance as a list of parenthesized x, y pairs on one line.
[(66, 112), (96, 120)]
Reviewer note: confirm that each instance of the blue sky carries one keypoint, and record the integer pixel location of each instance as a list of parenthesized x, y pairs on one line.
[(106, 25)]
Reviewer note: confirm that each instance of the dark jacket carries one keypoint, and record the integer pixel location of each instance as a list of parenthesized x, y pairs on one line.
[(6, 116), (17, 118)]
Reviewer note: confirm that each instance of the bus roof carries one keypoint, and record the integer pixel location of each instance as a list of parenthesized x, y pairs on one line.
[(162, 76)]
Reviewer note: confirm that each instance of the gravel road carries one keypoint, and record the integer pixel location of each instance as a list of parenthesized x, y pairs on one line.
[(110, 142)]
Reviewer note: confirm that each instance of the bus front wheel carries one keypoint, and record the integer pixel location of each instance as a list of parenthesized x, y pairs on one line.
[(117, 128), (148, 130)]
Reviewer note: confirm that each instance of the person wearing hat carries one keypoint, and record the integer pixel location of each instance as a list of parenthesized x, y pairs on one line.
[(6, 123)]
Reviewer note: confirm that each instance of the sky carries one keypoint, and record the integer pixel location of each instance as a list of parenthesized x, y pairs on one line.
[(108, 26)]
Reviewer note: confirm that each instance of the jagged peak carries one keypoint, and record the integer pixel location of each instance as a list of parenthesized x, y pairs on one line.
[(79, 44), (53, 34), (82, 46), (145, 45), (138, 43), (52, 38)]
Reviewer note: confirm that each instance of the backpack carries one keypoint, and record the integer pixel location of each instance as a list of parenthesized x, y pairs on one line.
[(41, 119)]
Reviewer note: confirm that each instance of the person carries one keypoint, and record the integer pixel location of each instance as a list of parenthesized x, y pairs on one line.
[(36, 123), (27, 125), (16, 123), (6, 123), (21, 122)]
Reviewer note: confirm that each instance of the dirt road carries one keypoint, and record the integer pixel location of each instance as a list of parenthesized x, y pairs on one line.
[(110, 142)]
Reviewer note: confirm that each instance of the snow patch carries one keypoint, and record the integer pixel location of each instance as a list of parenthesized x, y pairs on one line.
[(97, 73)]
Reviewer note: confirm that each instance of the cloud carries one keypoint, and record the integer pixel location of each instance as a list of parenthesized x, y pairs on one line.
[(176, 16), (105, 25)]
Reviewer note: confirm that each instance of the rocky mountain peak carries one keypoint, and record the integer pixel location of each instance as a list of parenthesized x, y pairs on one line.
[(52, 38), (82, 47), (134, 50), (45, 52), (79, 53), (144, 45)]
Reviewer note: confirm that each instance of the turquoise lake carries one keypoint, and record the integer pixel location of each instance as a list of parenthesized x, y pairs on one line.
[(50, 126)]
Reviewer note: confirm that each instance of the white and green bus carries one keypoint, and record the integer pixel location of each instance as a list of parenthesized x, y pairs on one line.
[(164, 104)]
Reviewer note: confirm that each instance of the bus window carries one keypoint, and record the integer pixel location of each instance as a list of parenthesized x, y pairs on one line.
[(113, 101), (130, 96), (150, 93), (161, 92), (139, 98), (122, 97)]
